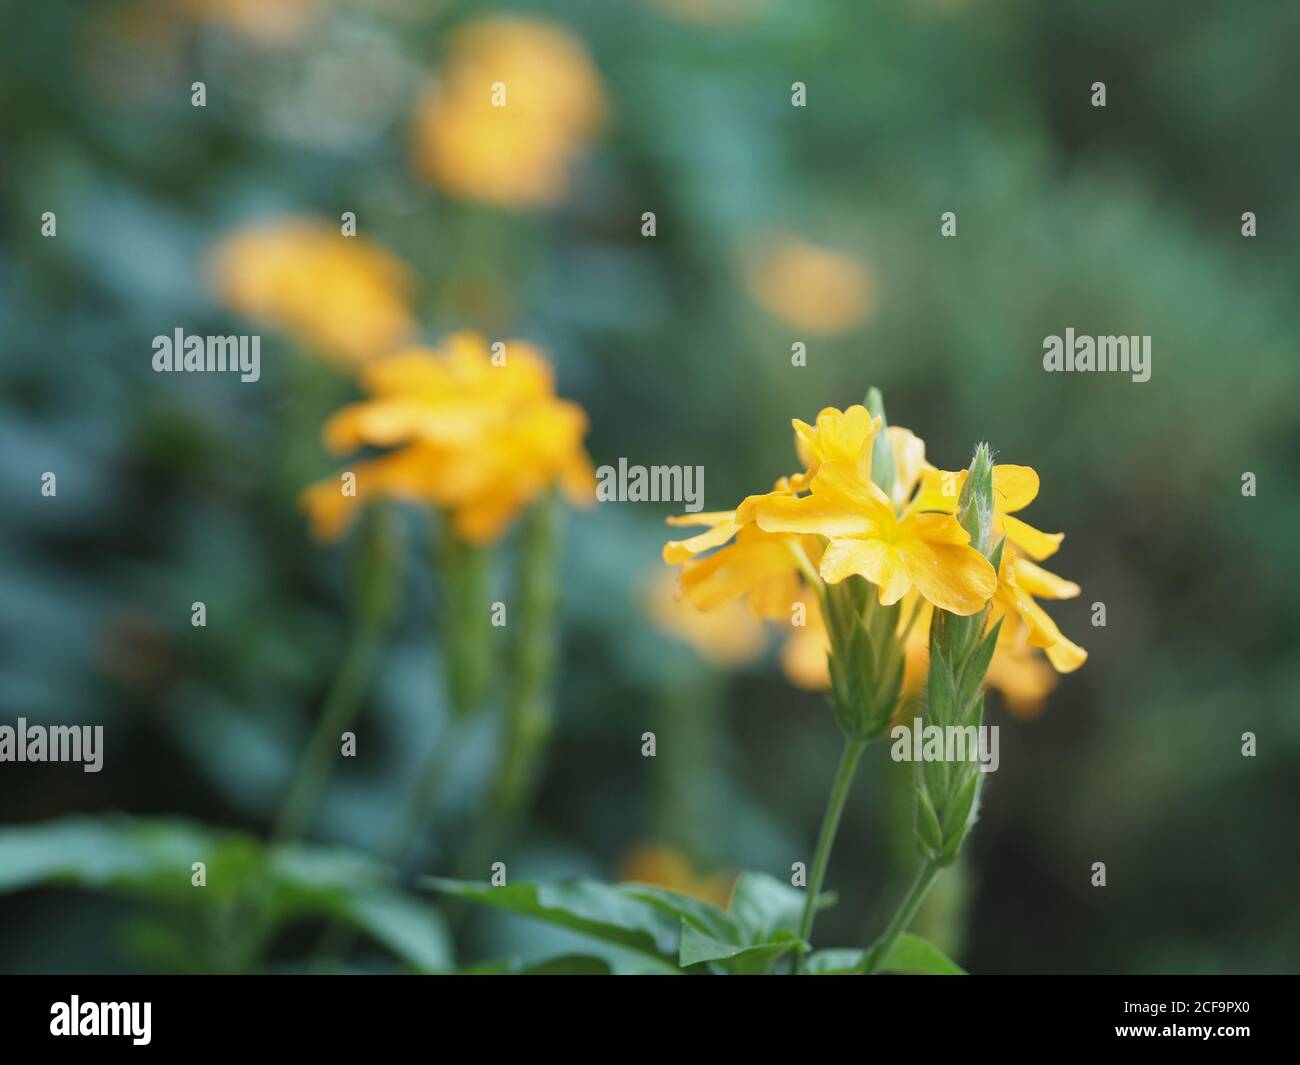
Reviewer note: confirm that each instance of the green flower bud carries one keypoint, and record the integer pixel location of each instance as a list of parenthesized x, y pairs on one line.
[(883, 469), (975, 505)]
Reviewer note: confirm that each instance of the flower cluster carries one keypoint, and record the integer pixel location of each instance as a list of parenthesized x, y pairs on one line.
[(513, 103), (867, 504), (478, 435)]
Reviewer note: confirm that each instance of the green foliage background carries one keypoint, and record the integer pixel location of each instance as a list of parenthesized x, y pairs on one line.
[(1117, 220)]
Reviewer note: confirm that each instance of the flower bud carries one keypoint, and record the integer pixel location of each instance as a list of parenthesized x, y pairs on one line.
[(883, 470)]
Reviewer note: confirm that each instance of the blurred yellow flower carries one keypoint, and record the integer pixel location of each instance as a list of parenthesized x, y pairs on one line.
[(664, 867), (726, 637), (804, 657), (342, 297), (478, 436), (264, 20), (515, 100), (1019, 672), (810, 288)]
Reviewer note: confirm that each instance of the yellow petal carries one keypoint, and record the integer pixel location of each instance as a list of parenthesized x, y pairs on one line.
[(827, 514), (940, 490), (953, 576), (1066, 656), (735, 570), (678, 551), (880, 563), (704, 517), (1039, 582), (909, 461), (935, 528), (1034, 543), (1013, 487)]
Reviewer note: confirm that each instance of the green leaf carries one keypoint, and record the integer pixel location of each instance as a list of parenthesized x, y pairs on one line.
[(957, 815), (153, 858), (840, 961), (912, 954), (696, 948), (568, 965), (614, 914), (941, 692), (762, 906), (707, 917), (413, 931), (927, 823)]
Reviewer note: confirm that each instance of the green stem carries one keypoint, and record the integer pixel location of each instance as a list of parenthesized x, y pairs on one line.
[(527, 724), (849, 759), (341, 705), (902, 916)]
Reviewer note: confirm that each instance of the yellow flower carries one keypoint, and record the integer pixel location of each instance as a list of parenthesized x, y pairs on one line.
[(666, 868), (810, 288), (478, 440), (343, 297), (926, 551), (763, 567), (1014, 488), (726, 637), (515, 101), (1019, 581)]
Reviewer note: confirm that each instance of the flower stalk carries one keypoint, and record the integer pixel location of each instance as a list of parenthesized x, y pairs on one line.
[(375, 597), (527, 725), (947, 792), (849, 759)]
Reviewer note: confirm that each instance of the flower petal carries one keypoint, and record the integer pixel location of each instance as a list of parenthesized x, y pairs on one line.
[(1039, 582), (678, 551), (953, 576), (1035, 543), (879, 562), (1013, 487), (1065, 655), (735, 570)]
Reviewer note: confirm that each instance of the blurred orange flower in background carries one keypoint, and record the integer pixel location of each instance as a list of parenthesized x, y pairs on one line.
[(263, 20), (515, 100), (664, 867), (808, 287), (342, 297), (478, 435), (727, 636)]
